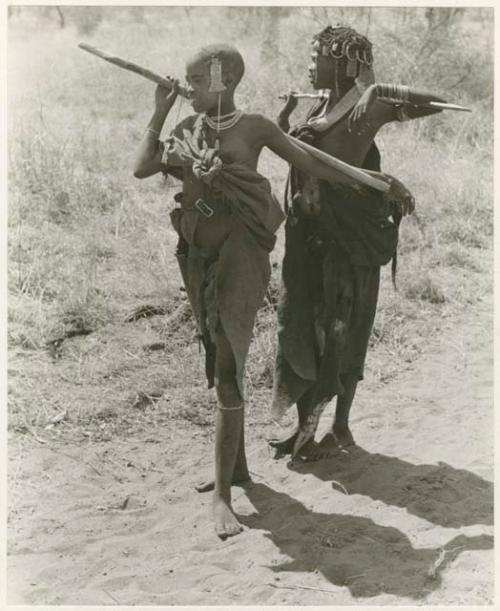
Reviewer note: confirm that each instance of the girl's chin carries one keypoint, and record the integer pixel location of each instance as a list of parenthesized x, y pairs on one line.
[(197, 107)]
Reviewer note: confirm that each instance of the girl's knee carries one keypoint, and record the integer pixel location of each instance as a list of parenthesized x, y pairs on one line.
[(228, 394)]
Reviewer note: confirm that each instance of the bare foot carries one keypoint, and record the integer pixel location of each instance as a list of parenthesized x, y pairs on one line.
[(343, 435), (329, 445), (284, 446), (238, 480), (309, 452), (225, 522)]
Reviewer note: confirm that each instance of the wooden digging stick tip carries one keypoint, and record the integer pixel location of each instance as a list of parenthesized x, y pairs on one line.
[(446, 106), (131, 67)]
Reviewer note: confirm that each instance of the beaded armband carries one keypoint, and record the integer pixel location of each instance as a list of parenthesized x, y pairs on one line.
[(395, 93)]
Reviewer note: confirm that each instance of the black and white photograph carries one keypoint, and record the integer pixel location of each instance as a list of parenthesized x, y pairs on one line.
[(250, 305)]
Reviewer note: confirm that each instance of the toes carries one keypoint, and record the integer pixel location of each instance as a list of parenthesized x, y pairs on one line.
[(204, 487), (345, 441), (275, 443), (309, 452), (234, 529), (344, 438), (221, 533), (280, 452), (282, 448), (282, 444), (329, 445), (228, 530)]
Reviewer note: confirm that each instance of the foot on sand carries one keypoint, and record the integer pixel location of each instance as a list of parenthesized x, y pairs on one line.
[(343, 435), (238, 480), (309, 452), (284, 446), (225, 522), (329, 445)]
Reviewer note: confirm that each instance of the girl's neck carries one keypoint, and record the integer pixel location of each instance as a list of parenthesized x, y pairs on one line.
[(226, 107), (335, 97)]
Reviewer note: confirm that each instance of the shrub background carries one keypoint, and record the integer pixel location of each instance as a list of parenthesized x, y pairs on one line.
[(88, 242)]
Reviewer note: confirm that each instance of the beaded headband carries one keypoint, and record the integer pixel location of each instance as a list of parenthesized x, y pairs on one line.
[(345, 42)]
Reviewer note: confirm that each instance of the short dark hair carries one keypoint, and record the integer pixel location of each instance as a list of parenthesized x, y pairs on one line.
[(230, 58)]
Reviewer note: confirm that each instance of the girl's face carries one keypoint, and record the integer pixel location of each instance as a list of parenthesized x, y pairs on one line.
[(326, 72), (322, 69), (198, 85)]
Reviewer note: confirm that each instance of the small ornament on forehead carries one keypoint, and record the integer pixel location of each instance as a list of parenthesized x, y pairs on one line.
[(216, 86)]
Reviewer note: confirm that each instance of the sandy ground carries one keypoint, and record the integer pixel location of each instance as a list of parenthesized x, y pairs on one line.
[(406, 517)]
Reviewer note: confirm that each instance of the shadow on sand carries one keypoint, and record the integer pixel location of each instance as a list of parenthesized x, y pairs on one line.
[(438, 493), (352, 551)]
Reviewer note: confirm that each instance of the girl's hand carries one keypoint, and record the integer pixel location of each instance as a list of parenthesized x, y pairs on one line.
[(399, 196), (291, 103), (357, 119), (164, 99)]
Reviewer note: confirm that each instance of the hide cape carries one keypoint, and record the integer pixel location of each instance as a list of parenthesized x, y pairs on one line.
[(330, 280), (225, 286)]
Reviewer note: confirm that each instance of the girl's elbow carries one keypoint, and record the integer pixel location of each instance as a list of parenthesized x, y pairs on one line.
[(140, 172)]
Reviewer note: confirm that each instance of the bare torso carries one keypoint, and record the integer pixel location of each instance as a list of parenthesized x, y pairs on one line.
[(239, 144)]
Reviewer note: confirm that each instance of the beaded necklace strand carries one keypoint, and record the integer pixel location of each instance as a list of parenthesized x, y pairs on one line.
[(223, 122)]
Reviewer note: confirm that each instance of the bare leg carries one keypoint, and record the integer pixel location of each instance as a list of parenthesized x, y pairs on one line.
[(305, 447), (240, 472), (227, 432), (340, 435), (285, 444), (344, 403), (228, 438), (300, 443)]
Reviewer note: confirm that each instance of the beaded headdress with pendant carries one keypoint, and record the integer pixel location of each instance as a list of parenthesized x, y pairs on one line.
[(344, 42)]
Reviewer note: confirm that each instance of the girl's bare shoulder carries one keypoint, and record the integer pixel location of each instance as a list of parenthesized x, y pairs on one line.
[(258, 125), (256, 119)]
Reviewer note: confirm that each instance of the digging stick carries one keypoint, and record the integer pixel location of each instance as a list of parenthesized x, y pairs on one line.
[(355, 173)]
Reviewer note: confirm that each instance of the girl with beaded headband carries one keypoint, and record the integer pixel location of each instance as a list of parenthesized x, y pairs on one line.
[(311, 369)]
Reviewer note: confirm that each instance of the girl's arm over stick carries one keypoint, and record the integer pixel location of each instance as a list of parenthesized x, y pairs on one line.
[(302, 158)]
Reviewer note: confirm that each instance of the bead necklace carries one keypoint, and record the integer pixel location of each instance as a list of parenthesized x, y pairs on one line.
[(224, 121)]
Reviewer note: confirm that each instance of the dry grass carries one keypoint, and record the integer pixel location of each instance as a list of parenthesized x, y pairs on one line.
[(88, 243)]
